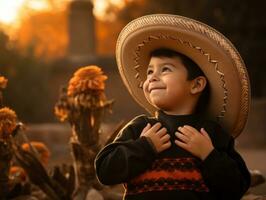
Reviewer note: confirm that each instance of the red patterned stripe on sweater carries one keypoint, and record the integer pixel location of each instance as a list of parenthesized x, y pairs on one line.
[(169, 174)]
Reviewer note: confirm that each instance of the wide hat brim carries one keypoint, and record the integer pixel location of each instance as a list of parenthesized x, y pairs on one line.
[(213, 52)]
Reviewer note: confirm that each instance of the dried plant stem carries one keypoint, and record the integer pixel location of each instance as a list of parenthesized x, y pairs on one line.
[(32, 148), (5, 159), (84, 144), (1, 99)]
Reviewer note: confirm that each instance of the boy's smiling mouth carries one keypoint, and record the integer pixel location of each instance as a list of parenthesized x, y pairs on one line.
[(155, 88)]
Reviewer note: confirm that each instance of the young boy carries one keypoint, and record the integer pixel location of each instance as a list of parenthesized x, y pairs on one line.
[(182, 152)]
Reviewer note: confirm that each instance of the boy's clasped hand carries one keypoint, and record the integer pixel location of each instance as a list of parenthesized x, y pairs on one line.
[(187, 137)]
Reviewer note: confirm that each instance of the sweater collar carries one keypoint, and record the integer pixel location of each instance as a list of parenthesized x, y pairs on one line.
[(179, 120)]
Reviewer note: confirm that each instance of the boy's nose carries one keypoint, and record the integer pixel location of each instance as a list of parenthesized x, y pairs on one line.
[(153, 77)]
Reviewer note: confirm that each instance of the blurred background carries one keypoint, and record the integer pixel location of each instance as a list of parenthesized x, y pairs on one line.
[(42, 42)]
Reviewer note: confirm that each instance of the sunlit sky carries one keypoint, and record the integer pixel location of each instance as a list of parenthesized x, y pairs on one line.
[(100, 6), (9, 10), (12, 11), (30, 21)]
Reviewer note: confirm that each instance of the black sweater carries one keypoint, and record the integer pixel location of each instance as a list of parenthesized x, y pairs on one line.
[(173, 173)]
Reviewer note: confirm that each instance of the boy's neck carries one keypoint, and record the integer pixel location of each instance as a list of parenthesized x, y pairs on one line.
[(186, 109)]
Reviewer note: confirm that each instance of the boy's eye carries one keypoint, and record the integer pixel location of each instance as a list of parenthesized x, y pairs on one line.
[(149, 71), (166, 69)]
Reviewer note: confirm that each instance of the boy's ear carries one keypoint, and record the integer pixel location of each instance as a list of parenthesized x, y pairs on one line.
[(198, 84)]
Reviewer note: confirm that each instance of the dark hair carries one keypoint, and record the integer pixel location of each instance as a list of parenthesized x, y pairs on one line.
[(193, 72)]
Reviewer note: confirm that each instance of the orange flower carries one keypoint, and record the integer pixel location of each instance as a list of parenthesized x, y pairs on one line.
[(86, 79), (3, 82), (85, 92), (17, 174), (8, 122), (61, 113), (41, 148)]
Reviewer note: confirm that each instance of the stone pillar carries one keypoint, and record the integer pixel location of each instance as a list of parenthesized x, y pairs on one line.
[(81, 30)]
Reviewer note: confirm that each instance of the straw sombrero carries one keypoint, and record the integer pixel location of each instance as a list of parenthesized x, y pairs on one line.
[(214, 54)]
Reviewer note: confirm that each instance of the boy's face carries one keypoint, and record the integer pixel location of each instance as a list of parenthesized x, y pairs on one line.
[(166, 86)]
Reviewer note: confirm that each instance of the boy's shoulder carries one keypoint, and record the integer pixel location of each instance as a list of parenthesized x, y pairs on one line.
[(211, 124), (217, 133), (142, 120), (134, 127)]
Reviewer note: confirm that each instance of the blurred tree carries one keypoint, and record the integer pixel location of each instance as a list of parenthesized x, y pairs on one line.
[(27, 83), (46, 33), (106, 36)]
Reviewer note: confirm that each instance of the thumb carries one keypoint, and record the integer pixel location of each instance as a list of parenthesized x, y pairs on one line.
[(146, 128)]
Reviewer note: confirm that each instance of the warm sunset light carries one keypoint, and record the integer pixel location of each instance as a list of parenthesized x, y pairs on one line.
[(29, 22), (9, 10), (12, 11), (101, 8)]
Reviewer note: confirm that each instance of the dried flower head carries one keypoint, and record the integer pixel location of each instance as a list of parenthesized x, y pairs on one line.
[(41, 148), (8, 122), (86, 88), (86, 79), (17, 174), (61, 113), (85, 93), (61, 107), (3, 82)]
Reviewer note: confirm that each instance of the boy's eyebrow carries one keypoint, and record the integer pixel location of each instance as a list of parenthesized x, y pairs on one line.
[(167, 63), (150, 66), (160, 65)]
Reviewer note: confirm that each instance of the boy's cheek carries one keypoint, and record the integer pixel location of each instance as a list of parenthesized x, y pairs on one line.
[(145, 88), (145, 85), (147, 97)]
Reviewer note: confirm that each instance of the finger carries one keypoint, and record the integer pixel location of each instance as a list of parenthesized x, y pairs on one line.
[(165, 138), (204, 132), (181, 144), (156, 127), (162, 132), (185, 131), (182, 137), (147, 127), (191, 129), (166, 145)]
